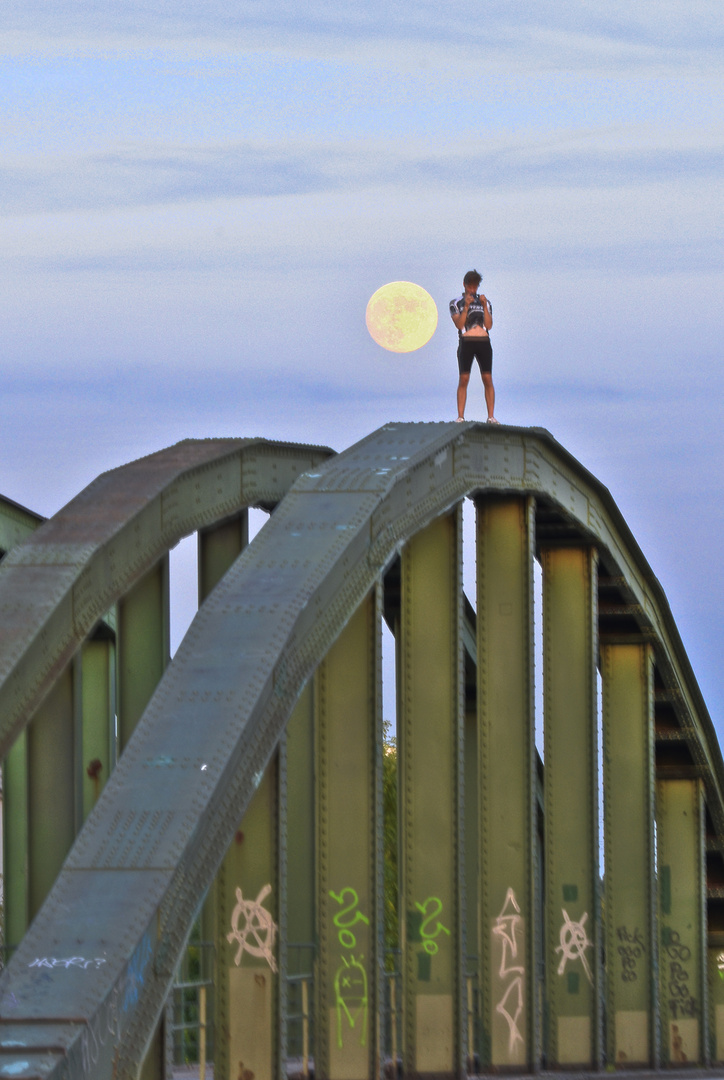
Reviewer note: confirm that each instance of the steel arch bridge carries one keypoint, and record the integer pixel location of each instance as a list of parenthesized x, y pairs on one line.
[(244, 780)]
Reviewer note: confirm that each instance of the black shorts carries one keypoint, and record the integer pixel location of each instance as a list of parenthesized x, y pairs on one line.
[(475, 348)]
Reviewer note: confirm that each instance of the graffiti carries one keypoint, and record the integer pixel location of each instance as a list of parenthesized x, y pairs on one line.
[(107, 1022), (510, 1005), (350, 980), (258, 926), (429, 944), (136, 972), (573, 943), (681, 1002), (72, 961), (677, 1045), (350, 990), (631, 948), (346, 938)]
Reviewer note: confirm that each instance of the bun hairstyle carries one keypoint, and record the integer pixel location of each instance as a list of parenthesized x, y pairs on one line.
[(472, 278)]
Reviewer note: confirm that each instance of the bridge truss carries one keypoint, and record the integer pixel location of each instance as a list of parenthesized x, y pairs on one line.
[(243, 781)]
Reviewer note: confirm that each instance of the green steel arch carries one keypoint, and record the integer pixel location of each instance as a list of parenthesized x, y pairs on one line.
[(128, 892)]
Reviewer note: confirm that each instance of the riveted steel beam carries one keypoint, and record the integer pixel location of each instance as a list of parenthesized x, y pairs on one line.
[(97, 755), (507, 783), (57, 583), (16, 903), (143, 646), (247, 957), (218, 547), (161, 827), (51, 789), (628, 785), (571, 810), (682, 922), (715, 961), (297, 923), (16, 524), (348, 747), (430, 734)]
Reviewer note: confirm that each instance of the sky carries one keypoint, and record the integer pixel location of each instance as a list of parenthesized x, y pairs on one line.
[(197, 200)]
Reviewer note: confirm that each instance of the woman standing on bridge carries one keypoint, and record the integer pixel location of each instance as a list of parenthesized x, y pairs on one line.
[(473, 317)]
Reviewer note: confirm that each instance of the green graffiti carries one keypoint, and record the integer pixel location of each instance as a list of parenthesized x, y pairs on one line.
[(350, 990), (430, 945), (346, 938)]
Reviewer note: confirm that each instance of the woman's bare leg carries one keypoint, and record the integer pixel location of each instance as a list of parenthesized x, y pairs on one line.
[(463, 393)]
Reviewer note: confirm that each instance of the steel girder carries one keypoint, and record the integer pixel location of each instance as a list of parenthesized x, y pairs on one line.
[(134, 879), (57, 583)]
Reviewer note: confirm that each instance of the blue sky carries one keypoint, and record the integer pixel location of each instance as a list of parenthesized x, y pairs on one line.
[(197, 203)]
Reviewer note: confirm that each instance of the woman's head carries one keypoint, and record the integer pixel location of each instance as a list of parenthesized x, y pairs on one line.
[(472, 280)]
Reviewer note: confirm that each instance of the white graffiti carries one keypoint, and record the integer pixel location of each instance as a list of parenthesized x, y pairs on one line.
[(506, 929), (105, 1025), (258, 926), (574, 942), (72, 961)]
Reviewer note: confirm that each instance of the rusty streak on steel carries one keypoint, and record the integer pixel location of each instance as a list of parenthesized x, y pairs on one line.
[(56, 584), (134, 879)]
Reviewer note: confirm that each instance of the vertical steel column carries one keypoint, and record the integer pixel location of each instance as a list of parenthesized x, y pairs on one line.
[(506, 546), (143, 646), (471, 914), (571, 808), (247, 983), (96, 754), (143, 650), (628, 785), (682, 920), (51, 788), (431, 776), (16, 904), (715, 952), (297, 878), (349, 850), (217, 548)]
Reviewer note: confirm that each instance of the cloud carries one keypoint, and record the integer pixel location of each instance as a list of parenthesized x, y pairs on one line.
[(662, 35), (163, 175)]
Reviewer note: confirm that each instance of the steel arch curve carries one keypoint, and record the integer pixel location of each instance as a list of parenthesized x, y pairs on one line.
[(60, 581), (170, 807)]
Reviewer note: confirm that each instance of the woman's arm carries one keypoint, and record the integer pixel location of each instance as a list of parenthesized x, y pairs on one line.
[(461, 318)]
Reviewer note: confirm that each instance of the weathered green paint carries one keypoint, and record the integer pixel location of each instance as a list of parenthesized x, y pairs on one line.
[(682, 959), (98, 708), (51, 789), (348, 739), (628, 785), (300, 848), (430, 739), (218, 547), (16, 524), (15, 842), (266, 630), (715, 959), (472, 858), (505, 551), (247, 983), (143, 646), (571, 810)]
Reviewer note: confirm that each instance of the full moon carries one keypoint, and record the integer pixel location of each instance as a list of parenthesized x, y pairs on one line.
[(401, 316)]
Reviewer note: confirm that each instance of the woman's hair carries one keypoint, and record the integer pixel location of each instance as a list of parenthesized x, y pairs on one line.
[(472, 278)]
